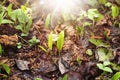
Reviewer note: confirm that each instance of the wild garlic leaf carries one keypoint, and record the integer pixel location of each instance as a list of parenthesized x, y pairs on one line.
[(38, 79), (80, 30), (47, 21), (33, 41), (65, 77), (1, 17), (98, 42), (50, 41), (43, 48), (115, 11), (7, 68), (94, 15), (116, 76), (89, 52), (106, 63), (6, 21), (102, 1), (1, 50), (60, 41), (100, 66), (107, 69), (104, 54), (9, 10)]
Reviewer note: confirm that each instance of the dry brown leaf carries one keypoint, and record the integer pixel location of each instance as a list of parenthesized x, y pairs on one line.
[(9, 40)]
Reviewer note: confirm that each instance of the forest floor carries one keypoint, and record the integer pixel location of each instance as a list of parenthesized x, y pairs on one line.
[(78, 58)]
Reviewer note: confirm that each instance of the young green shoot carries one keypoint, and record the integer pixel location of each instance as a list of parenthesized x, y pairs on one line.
[(47, 21), (33, 41), (65, 77), (50, 41), (104, 66), (9, 10), (115, 11), (78, 60), (116, 76), (6, 68), (42, 48), (89, 52), (19, 45), (1, 50), (38, 79), (60, 41)]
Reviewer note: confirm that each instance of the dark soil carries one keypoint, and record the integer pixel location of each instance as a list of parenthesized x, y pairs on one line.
[(46, 65)]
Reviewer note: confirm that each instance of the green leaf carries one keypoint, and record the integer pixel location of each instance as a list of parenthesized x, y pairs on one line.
[(19, 45), (9, 9), (116, 76), (93, 14), (80, 30), (108, 4), (43, 48), (115, 11), (100, 66), (1, 17), (78, 59), (107, 69), (1, 50), (7, 68), (103, 54), (106, 63), (14, 14), (98, 42), (6, 21), (104, 68), (102, 1), (50, 41), (47, 21), (65, 77), (115, 66), (33, 41), (38, 79), (89, 52), (60, 41), (119, 25), (22, 17), (18, 27)]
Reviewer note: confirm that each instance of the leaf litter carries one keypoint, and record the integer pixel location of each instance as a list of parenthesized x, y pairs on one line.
[(30, 62)]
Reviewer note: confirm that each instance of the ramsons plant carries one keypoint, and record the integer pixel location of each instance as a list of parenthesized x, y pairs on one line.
[(50, 41), (6, 68), (2, 16), (22, 20), (33, 41), (104, 66), (60, 41)]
